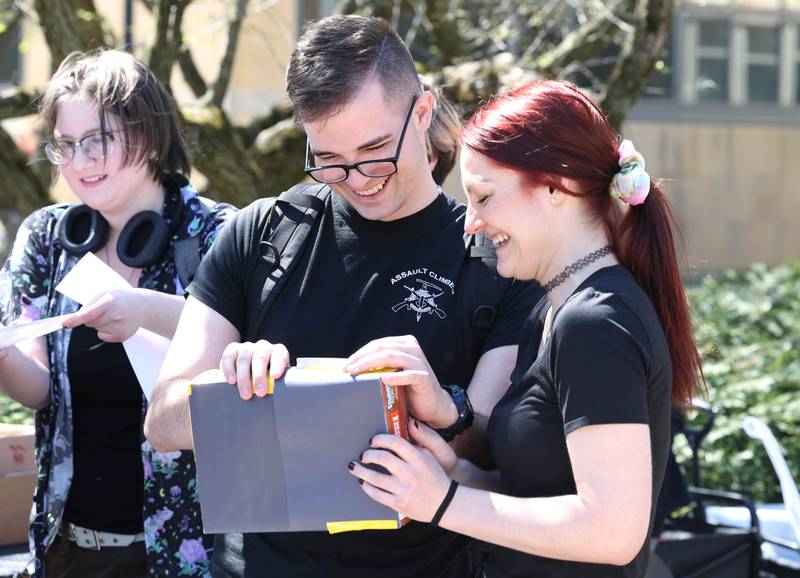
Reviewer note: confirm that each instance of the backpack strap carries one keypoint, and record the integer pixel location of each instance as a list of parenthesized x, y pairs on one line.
[(187, 251), (482, 293), (481, 247), (290, 219)]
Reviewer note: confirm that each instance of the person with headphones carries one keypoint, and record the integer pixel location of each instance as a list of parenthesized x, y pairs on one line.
[(107, 504), (442, 137)]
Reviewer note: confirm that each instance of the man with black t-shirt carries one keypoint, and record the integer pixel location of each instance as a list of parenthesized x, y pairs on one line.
[(385, 258)]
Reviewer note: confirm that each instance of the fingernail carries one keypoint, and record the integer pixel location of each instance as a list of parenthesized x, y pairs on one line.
[(360, 481), (351, 465), (231, 378)]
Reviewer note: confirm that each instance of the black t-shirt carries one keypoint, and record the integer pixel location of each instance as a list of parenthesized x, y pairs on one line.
[(357, 280), (606, 361), (106, 493)]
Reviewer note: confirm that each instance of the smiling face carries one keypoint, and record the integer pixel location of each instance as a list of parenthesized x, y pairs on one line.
[(369, 128), (517, 217), (105, 185)]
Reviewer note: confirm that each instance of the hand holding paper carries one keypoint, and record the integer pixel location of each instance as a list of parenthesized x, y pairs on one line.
[(85, 283), (426, 399), (115, 315), (246, 365)]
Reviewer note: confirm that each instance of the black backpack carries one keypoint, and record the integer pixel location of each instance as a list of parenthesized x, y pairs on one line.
[(293, 215)]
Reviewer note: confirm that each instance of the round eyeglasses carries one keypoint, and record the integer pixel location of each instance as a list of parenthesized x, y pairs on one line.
[(96, 146), (329, 174)]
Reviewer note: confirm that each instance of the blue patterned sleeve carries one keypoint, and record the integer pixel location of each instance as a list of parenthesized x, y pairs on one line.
[(217, 218), (25, 276)]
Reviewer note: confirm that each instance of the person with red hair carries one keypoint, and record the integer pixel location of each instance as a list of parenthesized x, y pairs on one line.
[(581, 437)]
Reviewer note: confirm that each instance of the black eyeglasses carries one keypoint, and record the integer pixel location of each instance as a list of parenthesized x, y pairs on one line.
[(376, 168), (96, 146)]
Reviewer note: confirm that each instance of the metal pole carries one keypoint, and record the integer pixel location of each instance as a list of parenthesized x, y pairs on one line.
[(128, 42)]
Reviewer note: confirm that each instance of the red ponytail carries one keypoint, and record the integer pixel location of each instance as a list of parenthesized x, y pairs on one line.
[(548, 131), (647, 249)]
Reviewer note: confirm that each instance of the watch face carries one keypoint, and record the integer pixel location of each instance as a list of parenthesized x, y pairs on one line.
[(460, 398), (465, 413)]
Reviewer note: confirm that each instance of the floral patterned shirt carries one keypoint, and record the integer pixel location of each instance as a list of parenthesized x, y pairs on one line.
[(176, 545)]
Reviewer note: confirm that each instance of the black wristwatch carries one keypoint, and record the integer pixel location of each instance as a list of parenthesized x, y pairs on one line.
[(465, 414)]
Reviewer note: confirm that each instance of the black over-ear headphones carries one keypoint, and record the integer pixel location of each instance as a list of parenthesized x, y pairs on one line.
[(142, 241)]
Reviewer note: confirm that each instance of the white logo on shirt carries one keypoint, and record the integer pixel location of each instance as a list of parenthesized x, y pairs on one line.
[(422, 294)]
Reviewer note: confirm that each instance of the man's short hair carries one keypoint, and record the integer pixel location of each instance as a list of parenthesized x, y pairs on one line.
[(337, 56), (118, 84)]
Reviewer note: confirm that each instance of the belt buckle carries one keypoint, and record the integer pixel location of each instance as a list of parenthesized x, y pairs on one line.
[(72, 535)]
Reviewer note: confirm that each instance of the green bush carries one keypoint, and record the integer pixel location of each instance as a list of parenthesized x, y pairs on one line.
[(12, 412), (748, 331)]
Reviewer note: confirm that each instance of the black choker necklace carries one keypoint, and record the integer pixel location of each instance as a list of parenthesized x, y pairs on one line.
[(576, 266)]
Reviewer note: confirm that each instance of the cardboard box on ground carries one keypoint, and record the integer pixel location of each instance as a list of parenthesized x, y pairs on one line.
[(17, 480)]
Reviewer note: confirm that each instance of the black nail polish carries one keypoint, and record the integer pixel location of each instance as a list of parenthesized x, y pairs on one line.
[(351, 465), (360, 481)]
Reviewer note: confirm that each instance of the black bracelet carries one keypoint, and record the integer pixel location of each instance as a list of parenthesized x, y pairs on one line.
[(446, 502)]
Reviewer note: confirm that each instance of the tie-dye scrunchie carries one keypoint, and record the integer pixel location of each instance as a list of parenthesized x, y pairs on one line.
[(632, 183)]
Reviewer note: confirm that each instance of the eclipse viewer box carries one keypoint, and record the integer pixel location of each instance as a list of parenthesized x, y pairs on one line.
[(279, 463)]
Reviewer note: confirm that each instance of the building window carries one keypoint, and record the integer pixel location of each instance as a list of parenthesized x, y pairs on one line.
[(795, 98), (9, 57), (659, 85), (763, 44), (712, 53)]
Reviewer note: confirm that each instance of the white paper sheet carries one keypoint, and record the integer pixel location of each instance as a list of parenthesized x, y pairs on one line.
[(14, 334), (146, 350)]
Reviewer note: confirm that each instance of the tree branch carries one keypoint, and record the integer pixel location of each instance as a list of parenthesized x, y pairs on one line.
[(226, 65), (164, 52), (445, 30), (583, 43), (190, 73), (278, 151), (470, 83), (281, 110), (16, 102), (71, 25), (640, 52), (220, 155), (30, 192)]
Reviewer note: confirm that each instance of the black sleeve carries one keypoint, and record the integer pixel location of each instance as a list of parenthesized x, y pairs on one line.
[(600, 357), (519, 300), (224, 274)]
